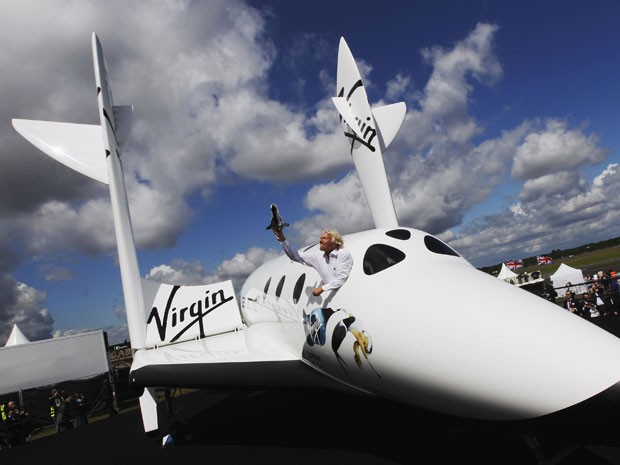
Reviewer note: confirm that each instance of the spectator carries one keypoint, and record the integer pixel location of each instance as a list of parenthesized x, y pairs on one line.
[(590, 310), (17, 425), (549, 293), (603, 300), (570, 303), (59, 411), (615, 294), (79, 409)]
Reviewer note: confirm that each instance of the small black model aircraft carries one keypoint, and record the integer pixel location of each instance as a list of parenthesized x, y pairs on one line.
[(277, 223)]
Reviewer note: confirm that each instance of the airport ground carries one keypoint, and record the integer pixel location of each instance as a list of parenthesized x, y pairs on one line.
[(297, 427)]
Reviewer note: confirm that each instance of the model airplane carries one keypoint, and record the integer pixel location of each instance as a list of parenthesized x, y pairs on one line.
[(276, 223), (415, 322)]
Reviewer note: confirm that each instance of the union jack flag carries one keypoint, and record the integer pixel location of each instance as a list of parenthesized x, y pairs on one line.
[(514, 264), (544, 260)]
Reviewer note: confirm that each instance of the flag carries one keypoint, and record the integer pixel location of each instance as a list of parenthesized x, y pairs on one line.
[(514, 264), (544, 260)]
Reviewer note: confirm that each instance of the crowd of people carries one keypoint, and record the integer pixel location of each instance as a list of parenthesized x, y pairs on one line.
[(65, 412), (16, 427), (602, 297)]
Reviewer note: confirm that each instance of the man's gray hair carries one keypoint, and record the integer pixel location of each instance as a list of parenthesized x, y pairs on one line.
[(336, 237)]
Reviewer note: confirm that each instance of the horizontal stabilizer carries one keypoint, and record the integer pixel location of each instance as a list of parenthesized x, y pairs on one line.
[(389, 119), (347, 115), (78, 146)]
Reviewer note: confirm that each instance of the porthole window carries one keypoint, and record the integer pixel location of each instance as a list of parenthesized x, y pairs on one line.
[(299, 287), (436, 246), (401, 234), (280, 286), (378, 257)]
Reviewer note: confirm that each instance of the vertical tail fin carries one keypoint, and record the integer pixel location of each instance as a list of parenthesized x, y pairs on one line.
[(114, 131), (368, 132), (176, 313), (95, 151)]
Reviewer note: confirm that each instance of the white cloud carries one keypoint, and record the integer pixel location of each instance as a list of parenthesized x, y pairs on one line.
[(28, 313), (205, 114), (553, 149), (237, 269)]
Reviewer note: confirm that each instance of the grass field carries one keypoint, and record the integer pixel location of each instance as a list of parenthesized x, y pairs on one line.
[(589, 263)]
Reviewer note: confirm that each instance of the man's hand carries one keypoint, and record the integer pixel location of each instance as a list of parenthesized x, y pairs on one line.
[(279, 234), (317, 291)]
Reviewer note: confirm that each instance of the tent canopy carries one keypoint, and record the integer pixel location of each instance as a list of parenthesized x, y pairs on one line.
[(16, 337), (506, 273), (569, 278)]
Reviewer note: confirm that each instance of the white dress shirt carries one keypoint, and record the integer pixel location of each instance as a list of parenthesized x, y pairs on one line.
[(334, 268)]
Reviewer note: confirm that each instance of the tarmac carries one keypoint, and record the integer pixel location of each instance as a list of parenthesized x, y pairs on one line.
[(296, 428)]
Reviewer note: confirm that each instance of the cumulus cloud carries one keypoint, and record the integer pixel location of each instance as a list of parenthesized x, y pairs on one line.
[(206, 116), (28, 313), (21, 304), (555, 148), (199, 90), (236, 269)]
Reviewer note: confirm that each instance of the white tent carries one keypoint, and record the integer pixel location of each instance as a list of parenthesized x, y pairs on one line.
[(507, 274), (16, 337), (42, 363), (565, 276)]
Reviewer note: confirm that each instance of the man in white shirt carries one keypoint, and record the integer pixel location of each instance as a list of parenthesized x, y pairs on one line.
[(331, 260)]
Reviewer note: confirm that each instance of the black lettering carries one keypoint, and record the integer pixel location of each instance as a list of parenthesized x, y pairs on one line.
[(354, 138), (368, 132), (355, 86), (182, 316), (220, 294), (161, 325), (192, 309), (187, 316)]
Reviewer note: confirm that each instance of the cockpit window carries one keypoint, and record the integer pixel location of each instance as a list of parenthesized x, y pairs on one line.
[(378, 257), (299, 286), (401, 234), (267, 286), (435, 245)]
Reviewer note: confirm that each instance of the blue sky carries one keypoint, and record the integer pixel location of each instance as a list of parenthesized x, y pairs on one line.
[(509, 148)]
